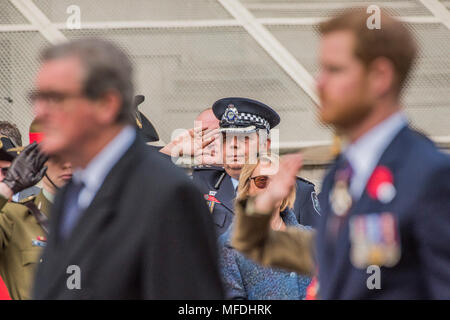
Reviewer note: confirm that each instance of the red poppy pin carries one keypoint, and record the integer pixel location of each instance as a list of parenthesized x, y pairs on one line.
[(211, 198), (381, 185)]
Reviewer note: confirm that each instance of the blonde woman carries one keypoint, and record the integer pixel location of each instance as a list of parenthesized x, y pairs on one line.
[(243, 278)]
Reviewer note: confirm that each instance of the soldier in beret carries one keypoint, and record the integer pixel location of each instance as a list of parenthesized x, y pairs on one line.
[(22, 229), (28, 216)]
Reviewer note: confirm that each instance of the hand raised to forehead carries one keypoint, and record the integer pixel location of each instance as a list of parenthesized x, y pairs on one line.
[(194, 142), (281, 183), (284, 180), (27, 169)]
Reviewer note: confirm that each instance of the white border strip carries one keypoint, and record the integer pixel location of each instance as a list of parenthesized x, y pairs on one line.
[(438, 10), (154, 24), (31, 12), (17, 27), (186, 24), (313, 5)]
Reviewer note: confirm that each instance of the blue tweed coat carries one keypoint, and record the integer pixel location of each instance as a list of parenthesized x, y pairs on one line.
[(245, 279)]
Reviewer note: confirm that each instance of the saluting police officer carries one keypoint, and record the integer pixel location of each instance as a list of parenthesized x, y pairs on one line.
[(242, 121)]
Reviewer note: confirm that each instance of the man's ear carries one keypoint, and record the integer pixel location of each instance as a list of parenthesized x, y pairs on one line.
[(264, 145), (109, 107), (381, 77)]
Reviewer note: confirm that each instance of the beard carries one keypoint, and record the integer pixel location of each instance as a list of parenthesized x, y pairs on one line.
[(346, 114)]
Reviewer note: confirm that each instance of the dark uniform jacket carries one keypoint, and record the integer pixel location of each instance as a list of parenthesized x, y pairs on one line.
[(21, 243), (217, 189), (147, 234), (421, 210)]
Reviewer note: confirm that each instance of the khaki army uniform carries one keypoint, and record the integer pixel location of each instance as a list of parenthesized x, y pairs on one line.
[(21, 242)]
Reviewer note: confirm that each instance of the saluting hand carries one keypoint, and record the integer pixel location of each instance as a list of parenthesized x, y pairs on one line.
[(281, 183), (27, 169), (195, 142)]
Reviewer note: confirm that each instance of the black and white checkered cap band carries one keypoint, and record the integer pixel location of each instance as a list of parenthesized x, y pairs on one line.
[(245, 119)]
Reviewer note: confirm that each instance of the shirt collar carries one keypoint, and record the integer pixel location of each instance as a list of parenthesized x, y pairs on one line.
[(49, 196), (235, 182), (365, 152), (98, 168)]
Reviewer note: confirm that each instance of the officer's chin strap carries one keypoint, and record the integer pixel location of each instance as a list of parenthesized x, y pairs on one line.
[(53, 184)]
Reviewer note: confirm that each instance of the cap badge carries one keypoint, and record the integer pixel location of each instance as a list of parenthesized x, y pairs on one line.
[(231, 113)]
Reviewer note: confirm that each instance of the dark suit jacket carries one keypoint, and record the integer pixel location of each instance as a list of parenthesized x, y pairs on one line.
[(146, 235), (422, 209), (210, 179)]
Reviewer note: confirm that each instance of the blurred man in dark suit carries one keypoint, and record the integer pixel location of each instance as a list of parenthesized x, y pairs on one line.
[(385, 202), (129, 225)]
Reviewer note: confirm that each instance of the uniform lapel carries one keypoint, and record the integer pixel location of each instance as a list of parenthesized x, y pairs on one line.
[(47, 272), (43, 204), (226, 194), (326, 250)]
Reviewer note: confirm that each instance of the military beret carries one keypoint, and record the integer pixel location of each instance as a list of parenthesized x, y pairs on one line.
[(243, 115), (8, 151), (146, 128)]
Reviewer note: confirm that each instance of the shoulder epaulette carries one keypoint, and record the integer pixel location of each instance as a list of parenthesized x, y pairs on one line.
[(28, 192), (304, 180), (27, 199)]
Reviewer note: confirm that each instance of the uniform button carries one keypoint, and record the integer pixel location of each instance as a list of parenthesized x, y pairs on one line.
[(292, 275)]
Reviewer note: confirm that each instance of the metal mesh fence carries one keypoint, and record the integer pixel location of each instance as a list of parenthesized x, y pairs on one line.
[(112, 10), (446, 3), (189, 53), (325, 8), (10, 15), (18, 63), (426, 97)]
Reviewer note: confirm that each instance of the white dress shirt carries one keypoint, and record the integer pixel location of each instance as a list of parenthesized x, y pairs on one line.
[(235, 183), (98, 168), (364, 154)]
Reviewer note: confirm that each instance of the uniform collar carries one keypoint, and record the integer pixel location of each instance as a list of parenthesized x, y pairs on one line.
[(49, 196), (43, 203)]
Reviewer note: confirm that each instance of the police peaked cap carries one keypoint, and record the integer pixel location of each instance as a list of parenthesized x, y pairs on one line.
[(243, 115)]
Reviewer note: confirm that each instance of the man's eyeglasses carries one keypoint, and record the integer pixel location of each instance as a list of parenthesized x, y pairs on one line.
[(261, 182), (52, 97)]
